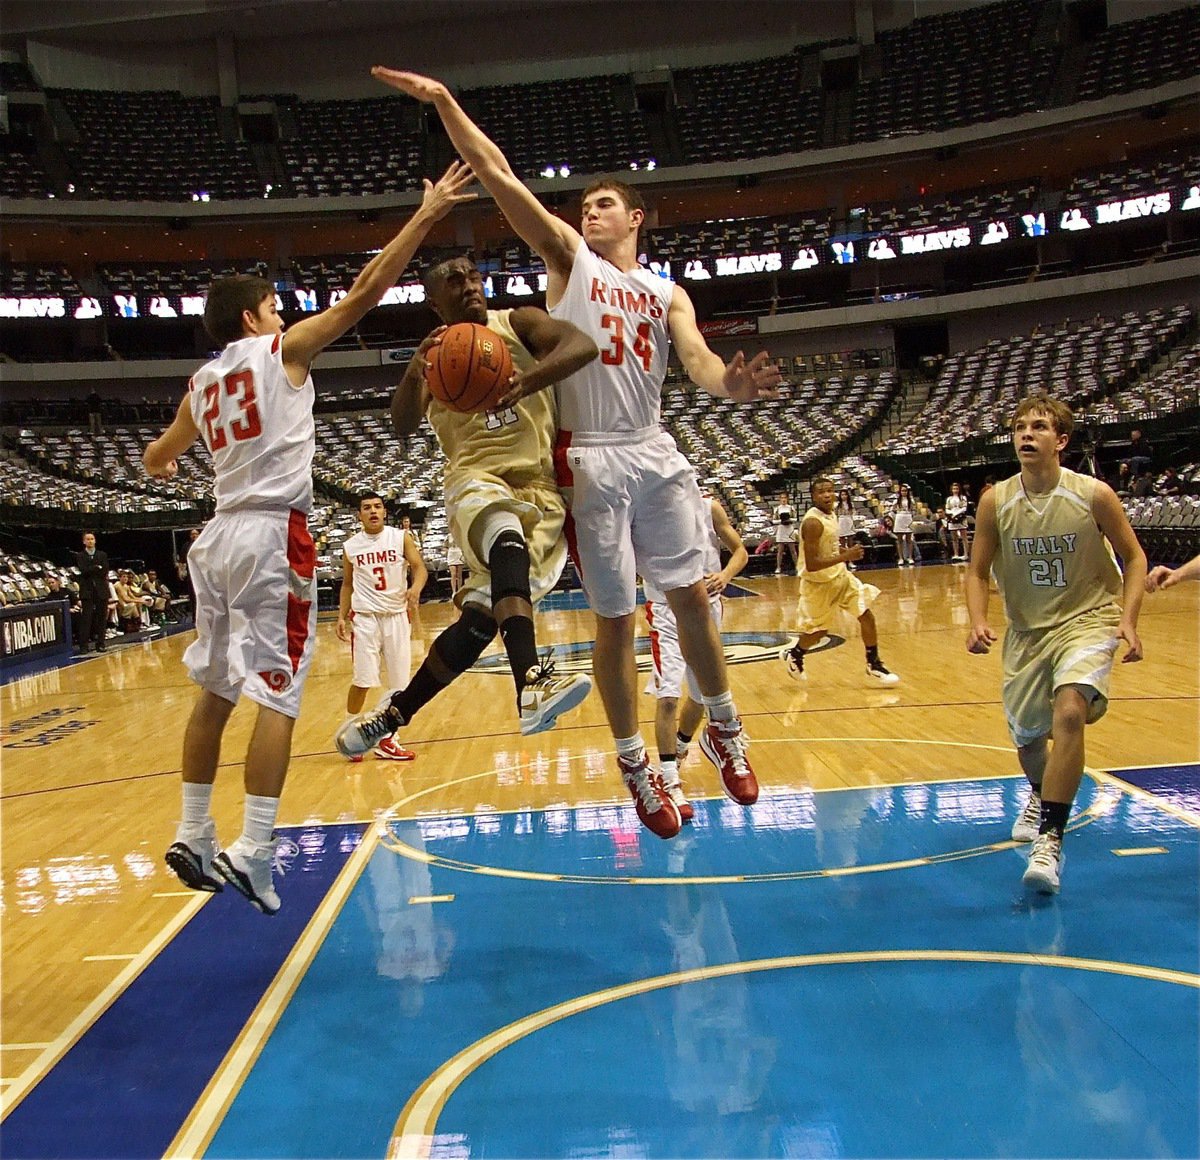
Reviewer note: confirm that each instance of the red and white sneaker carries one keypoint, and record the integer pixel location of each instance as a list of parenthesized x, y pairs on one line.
[(655, 809), (675, 793), (724, 744), (389, 750)]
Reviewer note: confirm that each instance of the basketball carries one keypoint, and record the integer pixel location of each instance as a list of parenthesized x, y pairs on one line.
[(469, 369)]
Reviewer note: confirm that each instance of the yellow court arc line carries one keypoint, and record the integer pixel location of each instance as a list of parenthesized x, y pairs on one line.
[(413, 1134), (1107, 801), (54, 1051), (23, 1047), (205, 1117), (109, 958), (444, 785), (1137, 851)]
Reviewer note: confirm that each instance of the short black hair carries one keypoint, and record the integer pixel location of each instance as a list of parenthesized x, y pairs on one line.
[(433, 270), (366, 495), (226, 301)]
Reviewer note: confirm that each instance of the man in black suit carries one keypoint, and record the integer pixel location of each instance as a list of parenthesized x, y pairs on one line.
[(93, 593)]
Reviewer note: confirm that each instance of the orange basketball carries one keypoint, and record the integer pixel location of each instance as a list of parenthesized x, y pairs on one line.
[(469, 369)]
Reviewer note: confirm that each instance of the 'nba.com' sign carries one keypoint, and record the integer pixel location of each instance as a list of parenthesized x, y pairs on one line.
[(28, 633)]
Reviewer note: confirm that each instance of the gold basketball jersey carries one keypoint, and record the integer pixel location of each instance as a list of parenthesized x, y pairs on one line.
[(1052, 562), (829, 545), (514, 443)]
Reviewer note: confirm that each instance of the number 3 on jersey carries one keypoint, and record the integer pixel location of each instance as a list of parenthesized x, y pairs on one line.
[(614, 355), (244, 423)]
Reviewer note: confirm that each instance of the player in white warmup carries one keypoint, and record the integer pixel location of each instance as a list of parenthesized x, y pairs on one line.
[(383, 575), (679, 708)]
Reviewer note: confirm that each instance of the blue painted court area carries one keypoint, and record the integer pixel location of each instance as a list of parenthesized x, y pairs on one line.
[(845, 973), (926, 1009)]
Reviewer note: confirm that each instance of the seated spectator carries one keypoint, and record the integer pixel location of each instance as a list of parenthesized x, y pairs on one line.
[(1124, 481), (1143, 486), (129, 603), (70, 598), (1169, 484), (160, 595)]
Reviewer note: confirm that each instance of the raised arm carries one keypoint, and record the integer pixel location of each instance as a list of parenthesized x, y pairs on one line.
[(560, 348), (983, 552), (739, 380), (549, 236), (304, 340)]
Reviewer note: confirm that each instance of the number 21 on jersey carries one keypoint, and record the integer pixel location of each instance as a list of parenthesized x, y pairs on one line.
[(614, 354), (230, 410)]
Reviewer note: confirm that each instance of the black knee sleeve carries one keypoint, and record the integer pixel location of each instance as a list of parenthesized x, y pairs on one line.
[(508, 563), (462, 644)]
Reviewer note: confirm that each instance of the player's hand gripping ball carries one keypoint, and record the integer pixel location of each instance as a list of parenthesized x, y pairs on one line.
[(469, 368)]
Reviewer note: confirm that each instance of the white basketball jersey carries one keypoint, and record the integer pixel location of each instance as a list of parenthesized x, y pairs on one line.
[(625, 314), (380, 571), (712, 554), (258, 427)]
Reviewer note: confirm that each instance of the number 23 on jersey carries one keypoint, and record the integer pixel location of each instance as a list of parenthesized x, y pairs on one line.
[(230, 410)]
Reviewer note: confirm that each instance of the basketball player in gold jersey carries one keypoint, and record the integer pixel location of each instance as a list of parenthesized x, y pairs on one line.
[(504, 507), (1045, 533)]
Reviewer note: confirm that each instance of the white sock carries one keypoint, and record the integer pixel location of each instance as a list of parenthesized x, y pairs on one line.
[(720, 707), (259, 824), (670, 770), (631, 748), (197, 805)]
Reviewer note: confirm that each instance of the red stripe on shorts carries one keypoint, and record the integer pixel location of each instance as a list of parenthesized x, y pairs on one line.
[(655, 655), (302, 560), (565, 478)]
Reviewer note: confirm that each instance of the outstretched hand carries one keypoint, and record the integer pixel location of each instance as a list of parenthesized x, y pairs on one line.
[(757, 379), (424, 89), (441, 198)]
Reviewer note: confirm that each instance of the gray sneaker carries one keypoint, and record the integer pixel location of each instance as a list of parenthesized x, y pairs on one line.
[(362, 733), (1026, 827), (1044, 872), (545, 696)]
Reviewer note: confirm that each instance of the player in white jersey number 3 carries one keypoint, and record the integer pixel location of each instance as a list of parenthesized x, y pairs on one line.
[(383, 575), (634, 502)]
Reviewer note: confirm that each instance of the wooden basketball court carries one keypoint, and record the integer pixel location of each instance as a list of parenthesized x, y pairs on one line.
[(91, 759)]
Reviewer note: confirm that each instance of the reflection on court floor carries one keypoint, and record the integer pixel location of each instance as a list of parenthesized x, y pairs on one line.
[(845, 973)]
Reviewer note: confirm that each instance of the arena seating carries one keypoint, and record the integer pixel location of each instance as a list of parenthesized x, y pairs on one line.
[(351, 148), (21, 175), (588, 124), (956, 68), (977, 390), (951, 69), (154, 146), (723, 118), (1142, 54), (20, 280)]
